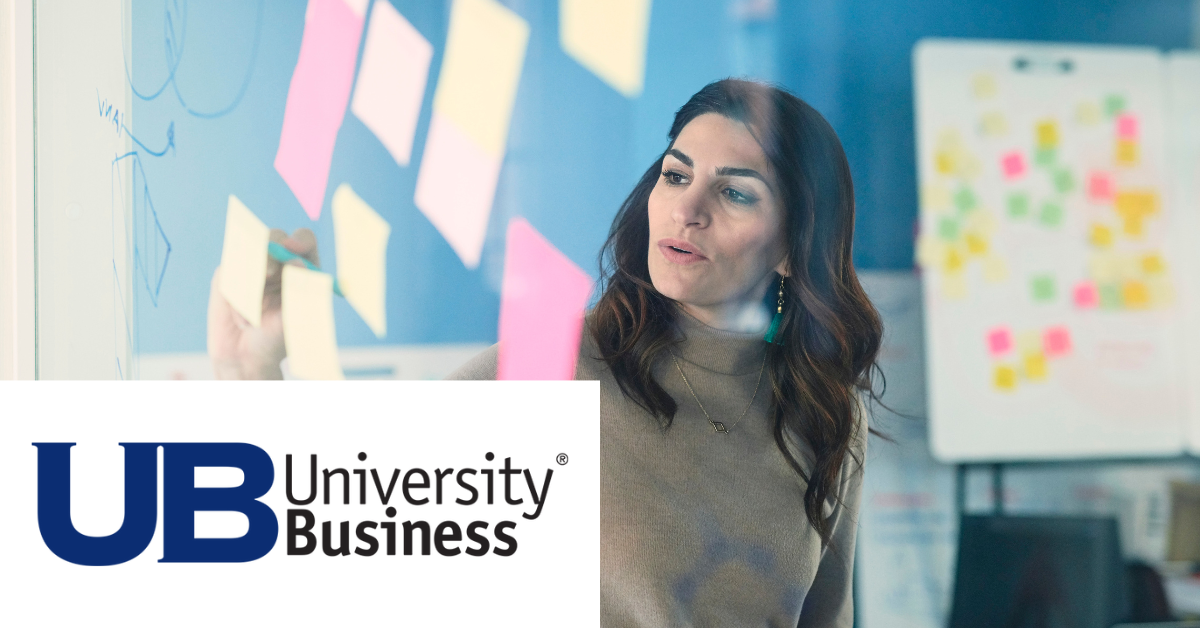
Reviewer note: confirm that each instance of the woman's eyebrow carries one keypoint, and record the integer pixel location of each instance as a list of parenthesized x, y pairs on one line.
[(687, 161), (742, 172)]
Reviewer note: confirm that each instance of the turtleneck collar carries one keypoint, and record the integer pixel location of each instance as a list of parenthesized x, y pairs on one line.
[(726, 352)]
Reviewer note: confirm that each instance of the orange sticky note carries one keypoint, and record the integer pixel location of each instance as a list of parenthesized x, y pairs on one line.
[(1136, 202), (542, 302), (1136, 295)]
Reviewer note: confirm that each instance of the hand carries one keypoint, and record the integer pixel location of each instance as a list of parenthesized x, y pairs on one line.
[(238, 349)]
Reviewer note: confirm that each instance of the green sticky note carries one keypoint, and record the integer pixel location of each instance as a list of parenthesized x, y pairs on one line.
[(964, 199), (1018, 205), (1051, 214), (1044, 157), (1113, 104), (948, 228), (1110, 296), (1043, 288), (1064, 182)]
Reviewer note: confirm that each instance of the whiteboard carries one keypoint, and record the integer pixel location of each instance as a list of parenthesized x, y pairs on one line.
[(1051, 252)]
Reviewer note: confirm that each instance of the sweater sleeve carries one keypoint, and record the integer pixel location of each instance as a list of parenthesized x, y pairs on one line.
[(480, 367), (830, 601)]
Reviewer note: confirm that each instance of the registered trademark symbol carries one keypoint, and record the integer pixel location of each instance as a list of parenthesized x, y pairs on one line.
[(561, 459)]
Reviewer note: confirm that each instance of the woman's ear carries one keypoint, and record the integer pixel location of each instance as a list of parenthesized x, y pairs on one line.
[(782, 268)]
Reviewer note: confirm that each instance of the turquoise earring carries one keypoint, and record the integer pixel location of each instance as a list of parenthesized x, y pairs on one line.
[(773, 330)]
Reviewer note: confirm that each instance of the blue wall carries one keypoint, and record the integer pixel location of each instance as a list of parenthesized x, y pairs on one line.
[(575, 148)]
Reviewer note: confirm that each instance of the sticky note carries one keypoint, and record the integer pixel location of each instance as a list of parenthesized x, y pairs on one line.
[(945, 162), (1103, 267), (1110, 296), (999, 341), (542, 300), (316, 100), (995, 270), (1034, 367), (948, 228), (1162, 293), (953, 261), (1132, 225), (1064, 181), (1087, 114), (1056, 341), (1018, 205), (1126, 152), (1100, 236), (1136, 202), (1012, 164), (981, 222), (1153, 264), (976, 244), (391, 80), (1085, 295), (1100, 187), (1135, 295), (1051, 214), (1114, 104), (1005, 378), (360, 238), (309, 335), (993, 124), (1046, 133), (984, 85), (964, 199), (930, 251), (1044, 157), (244, 261), (954, 286), (1042, 287), (1127, 126), (1029, 341), (935, 197), (472, 107), (608, 37)]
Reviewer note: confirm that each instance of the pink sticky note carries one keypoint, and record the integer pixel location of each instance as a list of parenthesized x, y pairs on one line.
[(999, 341), (1086, 295), (391, 80), (1013, 164), (316, 101), (1127, 126), (1100, 187), (542, 301), (455, 187), (1056, 341)]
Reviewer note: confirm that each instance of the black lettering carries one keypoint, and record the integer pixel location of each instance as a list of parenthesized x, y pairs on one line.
[(385, 496), (409, 526), (478, 538), (366, 537), (540, 500), (345, 483), (501, 536), (312, 491), (390, 526), (411, 485), (508, 472), (447, 531), (441, 473), (327, 537), (295, 532), (488, 473), (474, 493), (362, 485)]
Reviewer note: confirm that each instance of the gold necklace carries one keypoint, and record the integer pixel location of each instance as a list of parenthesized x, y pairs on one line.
[(718, 426)]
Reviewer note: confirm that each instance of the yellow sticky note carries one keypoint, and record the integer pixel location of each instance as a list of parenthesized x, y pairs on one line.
[(1035, 366), (1104, 267), (930, 251), (1132, 226), (1128, 267), (945, 162), (308, 332), (485, 50), (244, 261), (954, 286), (976, 244), (995, 269), (981, 221), (1135, 294), (1029, 341), (361, 238), (984, 85), (608, 37), (1162, 293), (1005, 378), (1100, 236), (1153, 264), (1088, 113), (935, 197), (1047, 134), (1126, 152), (993, 124), (953, 262), (1136, 203)]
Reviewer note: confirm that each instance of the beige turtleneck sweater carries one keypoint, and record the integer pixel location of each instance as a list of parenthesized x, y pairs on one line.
[(706, 529)]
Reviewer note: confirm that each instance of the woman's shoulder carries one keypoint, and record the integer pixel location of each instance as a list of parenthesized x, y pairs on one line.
[(480, 367)]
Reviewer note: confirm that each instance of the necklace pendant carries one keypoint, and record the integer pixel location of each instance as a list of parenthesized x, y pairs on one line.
[(719, 427)]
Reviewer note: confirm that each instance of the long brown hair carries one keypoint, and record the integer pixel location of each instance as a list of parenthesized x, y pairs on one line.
[(830, 333)]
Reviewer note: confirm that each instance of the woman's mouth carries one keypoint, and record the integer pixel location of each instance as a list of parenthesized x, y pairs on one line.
[(680, 251)]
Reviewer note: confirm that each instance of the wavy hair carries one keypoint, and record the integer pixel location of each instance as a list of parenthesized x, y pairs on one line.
[(830, 333)]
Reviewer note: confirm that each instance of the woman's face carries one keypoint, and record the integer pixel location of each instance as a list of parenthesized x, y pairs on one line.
[(716, 221)]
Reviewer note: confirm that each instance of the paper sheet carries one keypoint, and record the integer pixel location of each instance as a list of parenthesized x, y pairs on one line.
[(608, 37), (542, 302), (360, 237), (244, 261), (309, 335), (391, 80), (316, 101)]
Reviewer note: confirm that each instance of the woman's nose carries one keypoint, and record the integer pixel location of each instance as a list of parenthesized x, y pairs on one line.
[(691, 208)]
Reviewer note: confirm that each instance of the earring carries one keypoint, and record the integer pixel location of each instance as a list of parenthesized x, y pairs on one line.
[(773, 330)]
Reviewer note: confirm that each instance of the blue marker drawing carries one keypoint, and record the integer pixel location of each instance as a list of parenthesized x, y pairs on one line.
[(117, 117), (151, 248)]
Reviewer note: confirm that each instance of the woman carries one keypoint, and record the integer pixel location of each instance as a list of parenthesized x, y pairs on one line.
[(731, 466)]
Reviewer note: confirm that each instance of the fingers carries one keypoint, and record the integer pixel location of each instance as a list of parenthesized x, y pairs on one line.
[(303, 243)]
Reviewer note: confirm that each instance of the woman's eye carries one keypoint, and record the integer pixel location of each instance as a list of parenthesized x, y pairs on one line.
[(672, 177), (739, 197)]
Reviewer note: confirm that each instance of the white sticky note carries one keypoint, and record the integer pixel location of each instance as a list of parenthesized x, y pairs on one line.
[(485, 50), (391, 80), (244, 261), (361, 238), (360, 6), (308, 332), (608, 37)]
